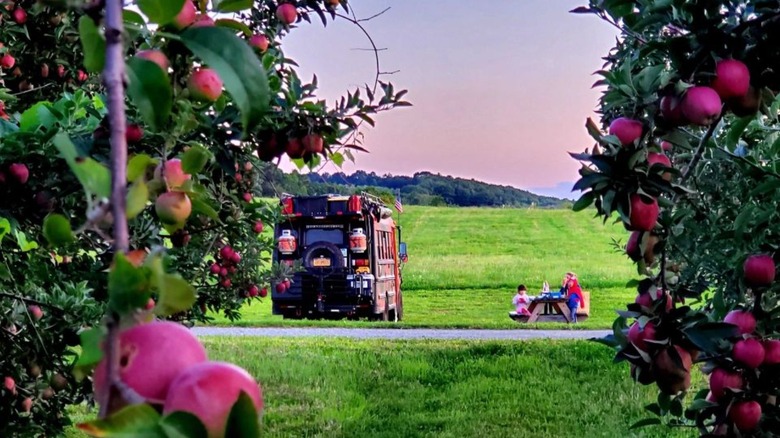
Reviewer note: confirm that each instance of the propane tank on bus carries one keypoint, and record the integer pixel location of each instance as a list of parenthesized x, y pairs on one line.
[(357, 241), (287, 242)]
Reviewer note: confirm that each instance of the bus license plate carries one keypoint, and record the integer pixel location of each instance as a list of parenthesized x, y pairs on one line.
[(321, 262)]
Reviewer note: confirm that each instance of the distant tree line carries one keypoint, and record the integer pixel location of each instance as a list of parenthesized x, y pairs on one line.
[(423, 188)]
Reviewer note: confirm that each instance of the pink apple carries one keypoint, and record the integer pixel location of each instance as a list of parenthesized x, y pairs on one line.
[(626, 130), (701, 105)]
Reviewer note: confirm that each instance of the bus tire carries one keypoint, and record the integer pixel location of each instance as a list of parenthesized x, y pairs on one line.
[(318, 248)]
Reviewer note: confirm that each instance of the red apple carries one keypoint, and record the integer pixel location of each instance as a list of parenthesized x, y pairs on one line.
[(253, 291), (226, 283), (35, 312), (295, 148), (247, 197), (749, 352), (670, 377), (671, 110), (203, 20), (732, 79), (133, 133), (654, 158), (747, 105), (639, 336), (209, 390), (312, 143), (286, 13), (186, 16), (156, 56), (772, 350), (643, 214), (626, 130), (263, 292), (633, 250), (173, 207), (281, 287), (759, 270), (26, 405), (147, 364), (258, 227), (9, 384), (701, 105), (215, 268), (745, 415), (205, 85), (259, 41), (744, 320), (19, 16), (19, 172), (172, 172), (721, 379), (149, 304), (81, 76), (7, 61)]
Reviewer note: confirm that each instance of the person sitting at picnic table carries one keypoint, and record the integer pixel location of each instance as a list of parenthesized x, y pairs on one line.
[(573, 288), (521, 300)]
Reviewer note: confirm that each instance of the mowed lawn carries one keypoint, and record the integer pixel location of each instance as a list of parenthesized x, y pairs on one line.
[(465, 263), (346, 388)]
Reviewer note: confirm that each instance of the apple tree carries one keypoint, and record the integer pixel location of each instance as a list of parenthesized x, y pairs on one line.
[(130, 142), (686, 157)]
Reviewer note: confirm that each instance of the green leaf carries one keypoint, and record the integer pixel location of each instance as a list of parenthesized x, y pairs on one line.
[(137, 166), (128, 287), (175, 295), (5, 227), (161, 11), (37, 116), (195, 159), (182, 424), (132, 421), (91, 353), (238, 66), (202, 207), (233, 5), (337, 158), (94, 176), (736, 130), (93, 43), (709, 336), (243, 420), (24, 244), (150, 91), (235, 25), (57, 230), (585, 200), (137, 197)]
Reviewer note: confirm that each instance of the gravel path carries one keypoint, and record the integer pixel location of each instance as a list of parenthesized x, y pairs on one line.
[(401, 333)]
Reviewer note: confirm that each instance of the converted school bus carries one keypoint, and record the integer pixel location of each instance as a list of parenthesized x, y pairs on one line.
[(350, 252)]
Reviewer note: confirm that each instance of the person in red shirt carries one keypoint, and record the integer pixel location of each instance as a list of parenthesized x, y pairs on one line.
[(572, 286)]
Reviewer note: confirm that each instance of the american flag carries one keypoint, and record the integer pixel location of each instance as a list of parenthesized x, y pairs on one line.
[(398, 205)]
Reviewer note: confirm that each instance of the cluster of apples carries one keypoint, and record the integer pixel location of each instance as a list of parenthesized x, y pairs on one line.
[(19, 16), (668, 365), (244, 180), (295, 146), (734, 379), (699, 105), (26, 397), (186, 381), (227, 260)]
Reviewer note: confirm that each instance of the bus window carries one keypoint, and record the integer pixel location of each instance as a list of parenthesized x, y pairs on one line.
[(332, 235)]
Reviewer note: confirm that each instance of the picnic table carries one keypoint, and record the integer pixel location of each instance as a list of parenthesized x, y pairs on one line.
[(552, 306)]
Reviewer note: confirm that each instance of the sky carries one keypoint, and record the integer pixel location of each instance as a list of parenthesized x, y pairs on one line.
[(501, 89)]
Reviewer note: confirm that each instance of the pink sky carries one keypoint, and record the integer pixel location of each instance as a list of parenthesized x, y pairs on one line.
[(501, 89)]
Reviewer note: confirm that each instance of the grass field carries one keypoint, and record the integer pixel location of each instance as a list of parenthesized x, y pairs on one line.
[(348, 388), (465, 263)]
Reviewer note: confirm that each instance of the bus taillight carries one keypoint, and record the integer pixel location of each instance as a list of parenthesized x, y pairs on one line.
[(287, 206), (353, 205), (360, 262)]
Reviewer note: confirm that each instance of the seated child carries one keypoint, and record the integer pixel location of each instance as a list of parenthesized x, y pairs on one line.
[(521, 301)]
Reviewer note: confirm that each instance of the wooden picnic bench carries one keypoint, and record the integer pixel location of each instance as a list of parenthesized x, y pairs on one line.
[(559, 308)]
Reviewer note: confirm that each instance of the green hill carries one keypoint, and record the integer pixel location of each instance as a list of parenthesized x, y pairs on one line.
[(465, 263)]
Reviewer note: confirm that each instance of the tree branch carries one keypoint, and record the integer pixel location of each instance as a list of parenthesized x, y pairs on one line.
[(700, 149), (114, 80), (32, 301)]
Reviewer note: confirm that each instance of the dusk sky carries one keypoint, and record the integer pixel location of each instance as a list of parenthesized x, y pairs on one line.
[(501, 89)]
